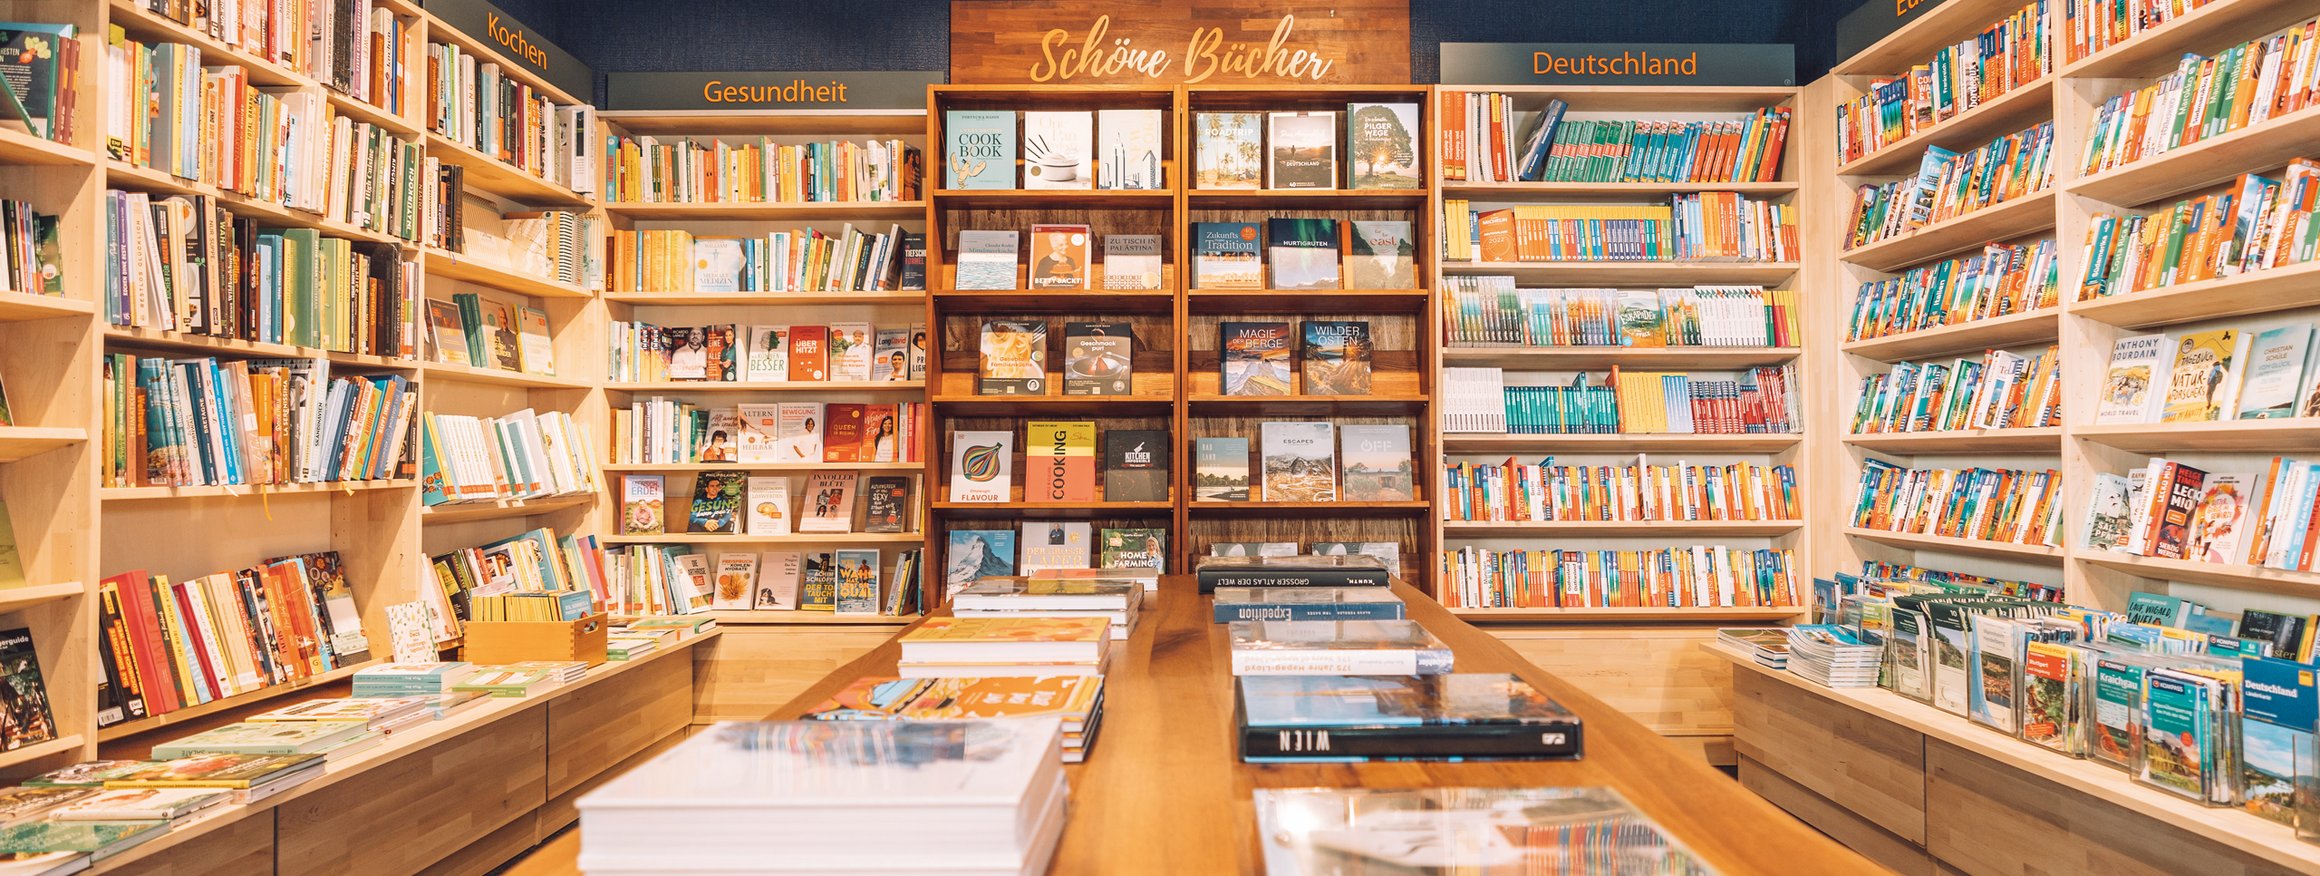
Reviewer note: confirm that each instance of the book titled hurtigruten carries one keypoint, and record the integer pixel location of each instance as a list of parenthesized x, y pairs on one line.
[(1418, 717), (1295, 571)]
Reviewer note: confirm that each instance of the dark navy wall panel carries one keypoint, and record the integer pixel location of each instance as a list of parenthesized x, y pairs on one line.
[(1802, 22)]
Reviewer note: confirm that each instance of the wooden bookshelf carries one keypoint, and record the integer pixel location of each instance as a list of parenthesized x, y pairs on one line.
[(2290, 287), (2022, 107), (2043, 440), (2011, 330), (1972, 547), (1619, 442), (1770, 614), (2002, 221)]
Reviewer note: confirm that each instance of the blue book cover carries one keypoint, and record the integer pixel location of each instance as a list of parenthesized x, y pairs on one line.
[(2280, 708), (979, 149), (975, 554)]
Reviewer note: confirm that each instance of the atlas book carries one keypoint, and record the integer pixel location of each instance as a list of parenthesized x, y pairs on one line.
[(1377, 464), (1299, 461), (978, 149), (982, 466), (1135, 465), (641, 501), (986, 260), (1049, 544), (1230, 150), (1013, 358), (1057, 146), (1391, 647), (1303, 253), (829, 502), (1292, 570), (1059, 461), (1225, 256), (1381, 146), (1220, 469), (1253, 358), (1335, 356), (717, 501), (886, 504), (1380, 254), (1412, 717), (974, 554), (1128, 153), (1307, 604), (1301, 150), (1132, 548), (1132, 261), (1059, 256), (1098, 358)]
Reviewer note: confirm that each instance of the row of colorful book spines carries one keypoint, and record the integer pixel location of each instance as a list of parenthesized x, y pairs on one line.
[(517, 127), (1950, 408), (1488, 318), (1957, 77), (809, 262), (2266, 76), (177, 635), (1738, 491), (1744, 150), (284, 295), (759, 173), (1890, 307), (1663, 578), (1638, 240), (2134, 253), (1960, 501), (182, 435), (1964, 182), (661, 431)]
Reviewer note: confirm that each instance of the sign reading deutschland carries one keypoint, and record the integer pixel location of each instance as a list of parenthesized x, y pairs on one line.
[(1618, 64)]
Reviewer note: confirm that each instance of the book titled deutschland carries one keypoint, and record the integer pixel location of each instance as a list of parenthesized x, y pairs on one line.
[(1294, 571), (1456, 715)]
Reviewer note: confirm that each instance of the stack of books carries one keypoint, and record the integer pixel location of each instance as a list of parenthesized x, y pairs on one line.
[(249, 777), (1304, 570), (623, 647), (410, 679), (331, 739), (1834, 655), (1076, 701), (1116, 601), (985, 796), (381, 714), (54, 846), (1307, 604), (969, 647), (1769, 645), (139, 804), (1560, 830), (1345, 718), (1394, 647), (521, 679)]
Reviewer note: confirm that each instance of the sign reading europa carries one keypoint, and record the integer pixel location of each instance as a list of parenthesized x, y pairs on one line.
[(1185, 42)]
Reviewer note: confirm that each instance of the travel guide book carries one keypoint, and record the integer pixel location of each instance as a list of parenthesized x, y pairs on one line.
[(1358, 718)]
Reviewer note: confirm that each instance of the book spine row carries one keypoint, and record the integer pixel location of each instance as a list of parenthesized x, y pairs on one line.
[(189, 422), (1951, 184), (1514, 491), (1699, 576), (1979, 504), (556, 245), (477, 105), (185, 643), (689, 171), (2000, 391), (2007, 55), (1483, 140), (533, 562), (1947, 579), (2001, 280), (1490, 310), (2259, 223), (657, 431), (2090, 26), (29, 258), (2171, 510), (1758, 401), (524, 455), (1705, 226), (351, 46), (800, 260), (2204, 98)]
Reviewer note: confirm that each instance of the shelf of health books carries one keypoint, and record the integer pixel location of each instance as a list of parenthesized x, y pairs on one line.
[(731, 617), (21, 148), (2291, 435), (1632, 273), (445, 264), (2005, 220), (26, 306), (2011, 330), (792, 538), (1931, 31), (2290, 287), (1677, 529), (1286, 301), (2233, 575), (2013, 110), (15, 599), (2218, 159), (18, 443), (121, 175), (503, 509), (204, 345), (229, 703), (139, 494), (2160, 46), (1973, 547), (2046, 439), (795, 211), (1703, 614), (1620, 442), (1515, 357)]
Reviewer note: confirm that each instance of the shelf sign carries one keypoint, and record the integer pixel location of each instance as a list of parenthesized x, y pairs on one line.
[(1618, 64), (1875, 20), (771, 89), (493, 27), (1179, 42)]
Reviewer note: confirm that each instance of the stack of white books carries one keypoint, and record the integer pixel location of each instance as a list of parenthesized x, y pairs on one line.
[(1113, 599), (825, 797), (983, 647), (1833, 655)]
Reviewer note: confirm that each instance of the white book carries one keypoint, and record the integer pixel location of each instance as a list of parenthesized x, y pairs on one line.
[(799, 432), (2275, 371), (850, 346), (982, 466), (1056, 149), (735, 582), (767, 356), (2130, 390), (1128, 149), (778, 581), (760, 433), (768, 511)]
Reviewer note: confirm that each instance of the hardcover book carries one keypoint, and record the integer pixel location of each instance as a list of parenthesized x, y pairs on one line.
[(1220, 469), (1059, 461), (1136, 465), (886, 503), (1056, 149), (1377, 465), (641, 500), (1380, 254), (2128, 393), (798, 432), (1132, 261), (1289, 569), (735, 580), (1230, 149), (1132, 548), (1335, 356), (1307, 604), (1224, 256), (1454, 715), (1396, 647), (2199, 383), (1059, 256), (1128, 152), (890, 357), (842, 432), (1253, 358), (1440, 831), (809, 352), (1300, 461), (688, 348), (1301, 150), (1387, 552), (717, 501), (1070, 699), (1013, 358), (982, 464), (1056, 545), (978, 149), (987, 260), (1098, 358), (974, 554), (1303, 253), (2275, 371), (857, 574), (829, 502), (768, 505), (1381, 146), (850, 349)]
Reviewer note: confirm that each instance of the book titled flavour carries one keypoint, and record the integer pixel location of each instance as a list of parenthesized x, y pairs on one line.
[(981, 465)]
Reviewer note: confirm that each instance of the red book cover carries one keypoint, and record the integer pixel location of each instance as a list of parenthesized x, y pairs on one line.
[(881, 434), (842, 437), (145, 642), (809, 352), (194, 633), (2180, 500)]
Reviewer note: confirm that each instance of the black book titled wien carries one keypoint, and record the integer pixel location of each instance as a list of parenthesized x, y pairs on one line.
[(1296, 571), (1356, 718)]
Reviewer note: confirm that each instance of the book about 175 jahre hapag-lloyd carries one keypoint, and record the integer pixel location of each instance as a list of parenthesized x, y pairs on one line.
[(1295, 571)]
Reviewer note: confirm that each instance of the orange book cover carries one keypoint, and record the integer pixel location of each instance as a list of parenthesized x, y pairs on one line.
[(1006, 630), (1498, 236)]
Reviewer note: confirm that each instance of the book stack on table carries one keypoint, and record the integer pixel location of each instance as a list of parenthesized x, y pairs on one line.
[(410, 679), (1076, 701), (1833, 655), (978, 647), (1116, 600)]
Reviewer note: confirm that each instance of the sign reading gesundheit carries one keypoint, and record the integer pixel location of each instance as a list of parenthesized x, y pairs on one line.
[(494, 27), (770, 89), (1618, 64), (1863, 27)]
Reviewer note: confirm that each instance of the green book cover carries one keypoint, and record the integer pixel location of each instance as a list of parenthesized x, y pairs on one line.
[(41, 837)]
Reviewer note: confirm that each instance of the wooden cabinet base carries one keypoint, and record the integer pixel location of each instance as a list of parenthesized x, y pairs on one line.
[(1655, 673)]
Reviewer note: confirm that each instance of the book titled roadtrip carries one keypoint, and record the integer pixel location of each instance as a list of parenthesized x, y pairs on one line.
[(1457, 715), (1393, 647), (1303, 570), (1307, 604)]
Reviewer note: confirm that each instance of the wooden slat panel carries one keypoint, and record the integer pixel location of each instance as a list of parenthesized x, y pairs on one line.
[(493, 851), (1871, 766), (1873, 842), (1000, 41), (563, 809), (614, 719), (435, 803), (239, 849), (1657, 675), (1715, 749), (749, 671)]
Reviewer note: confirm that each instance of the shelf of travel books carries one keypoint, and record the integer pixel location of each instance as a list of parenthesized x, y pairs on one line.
[(1530, 358), (1942, 26), (793, 538), (804, 618), (2207, 162), (1310, 509), (1620, 442), (685, 386), (2011, 330), (448, 265), (1003, 301), (1050, 510), (208, 491), (2003, 221), (2236, 575), (1584, 191), (138, 23), (1087, 406), (1724, 614), (2046, 439), (2160, 48), (2243, 831), (23, 306), (490, 175), (21, 442), (456, 373), (14, 599), (2018, 108), (1967, 546), (204, 345), (766, 299), (2291, 287), (122, 175), (1054, 199), (1607, 528), (19, 147), (2294, 435), (690, 467), (222, 704), (503, 509), (802, 211), (1307, 199), (1636, 273), (1216, 405), (1275, 301)]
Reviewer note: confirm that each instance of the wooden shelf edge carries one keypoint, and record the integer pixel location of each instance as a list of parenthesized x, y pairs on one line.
[(2013, 329), (15, 599), (167, 719), (1968, 546)]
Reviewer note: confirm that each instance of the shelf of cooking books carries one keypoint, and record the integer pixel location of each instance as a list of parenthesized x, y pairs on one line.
[(2018, 108), (2159, 48), (690, 467), (1756, 614), (1620, 442), (766, 299), (1632, 273), (2047, 439), (125, 176), (224, 704), (502, 509), (14, 599), (1608, 528), (2235, 575), (1531, 358), (138, 23), (2001, 221), (805, 618), (1278, 301), (2291, 435), (212, 491), (24, 306), (2011, 330), (20, 442), (1055, 199), (498, 376), (1003, 301), (483, 173), (1214, 405), (1041, 405), (1051, 510), (1577, 191), (204, 345), (29, 753), (1937, 28), (793, 538), (2289, 287), (1309, 509), (1306, 199), (19, 147), (2269, 144), (1967, 546), (448, 265), (804, 211), (683, 386)]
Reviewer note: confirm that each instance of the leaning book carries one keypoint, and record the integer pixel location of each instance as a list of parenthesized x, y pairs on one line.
[(1347, 718), (1462, 832), (1396, 647)]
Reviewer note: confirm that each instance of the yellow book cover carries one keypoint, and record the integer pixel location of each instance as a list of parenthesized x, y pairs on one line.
[(2197, 385), (1010, 629)]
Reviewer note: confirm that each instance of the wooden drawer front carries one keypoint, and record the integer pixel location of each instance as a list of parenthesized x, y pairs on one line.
[(242, 848), (432, 804), (595, 728), (1873, 842), (1863, 763)]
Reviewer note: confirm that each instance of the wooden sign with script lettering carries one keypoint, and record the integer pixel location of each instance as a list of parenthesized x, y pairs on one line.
[(1179, 42)]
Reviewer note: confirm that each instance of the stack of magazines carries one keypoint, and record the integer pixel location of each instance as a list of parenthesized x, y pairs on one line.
[(1768, 644), (1077, 701), (823, 797), (1833, 655)]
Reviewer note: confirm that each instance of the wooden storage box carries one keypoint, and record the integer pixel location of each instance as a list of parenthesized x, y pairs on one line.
[(518, 641)]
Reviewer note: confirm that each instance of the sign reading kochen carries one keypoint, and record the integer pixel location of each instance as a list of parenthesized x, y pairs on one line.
[(493, 27)]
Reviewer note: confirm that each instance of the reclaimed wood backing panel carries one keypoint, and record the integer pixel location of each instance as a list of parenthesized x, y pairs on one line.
[(238, 849), (1001, 42), (1874, 767), (620, 717), (749, 670), (438, 802), (1860, 835), (1657, 675)]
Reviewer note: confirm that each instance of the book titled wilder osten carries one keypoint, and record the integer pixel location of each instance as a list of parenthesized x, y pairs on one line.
[(1397, 647)]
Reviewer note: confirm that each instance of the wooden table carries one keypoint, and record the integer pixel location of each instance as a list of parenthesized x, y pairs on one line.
[(1164, 791)]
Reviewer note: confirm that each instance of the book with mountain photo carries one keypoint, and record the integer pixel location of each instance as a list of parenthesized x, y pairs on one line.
[(1299, 462), (1335, 355)]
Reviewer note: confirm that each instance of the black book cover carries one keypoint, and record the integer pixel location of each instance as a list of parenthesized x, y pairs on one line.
[(888, 497), (1298, 571), (1135, 465), (1454, 715), (24, 698), (913, 261)]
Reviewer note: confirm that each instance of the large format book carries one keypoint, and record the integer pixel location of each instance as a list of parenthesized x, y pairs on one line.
[(1135, 465), (235, 771), (982, 466), (1038, 593), (1069, 699), (1380, 254), (1454, 715), (1055, 544), (1225, 256), (1301, 150), (1335, 355), (1132, 261), (1303, 253), (1377, 463), (91, 839), (1057, 145), (974, 554), (265, 737), (1059, 461), (1005, 640), (2130, 391), (1381, 146), (1060, 257), (1013, 358), (1128, 153), (987, 260), (1307, 604), (1299, 461), (1230, 150), (1253, 358), (1220, 469), (978, 149), (1098, 358), (1437, 831), (1395, 647), (1359, 570), (140, 804)]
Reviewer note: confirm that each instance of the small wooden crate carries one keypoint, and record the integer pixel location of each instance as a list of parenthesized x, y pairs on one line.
[(519, 641)]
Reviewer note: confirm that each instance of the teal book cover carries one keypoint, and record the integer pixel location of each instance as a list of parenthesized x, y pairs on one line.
[(978, 149), (2280, 709)]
